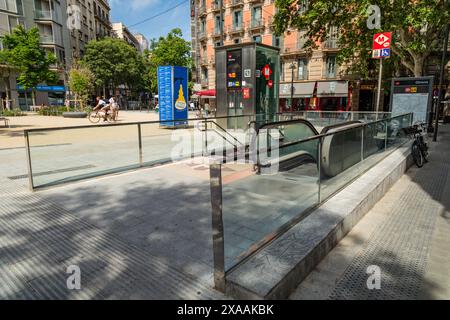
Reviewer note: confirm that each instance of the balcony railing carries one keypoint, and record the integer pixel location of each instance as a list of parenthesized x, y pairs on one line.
[(47, 39), (43, 14), (236, 28), (216, 7), (257, 23), (235, 3), (202, 35), (331, 44)]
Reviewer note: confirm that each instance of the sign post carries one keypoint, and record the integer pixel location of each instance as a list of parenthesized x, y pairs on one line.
[(381, 50)]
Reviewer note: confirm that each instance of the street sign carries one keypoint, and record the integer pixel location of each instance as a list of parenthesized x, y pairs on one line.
[(382, 41), (267, 72), (381, 53)]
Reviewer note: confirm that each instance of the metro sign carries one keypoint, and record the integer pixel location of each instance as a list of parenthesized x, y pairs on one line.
[(382, 41), (267, 72)]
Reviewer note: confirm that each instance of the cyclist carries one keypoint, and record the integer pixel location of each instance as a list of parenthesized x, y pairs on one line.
[(102, 106)]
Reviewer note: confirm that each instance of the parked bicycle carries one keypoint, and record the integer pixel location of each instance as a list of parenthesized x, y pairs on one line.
[(419, 149)]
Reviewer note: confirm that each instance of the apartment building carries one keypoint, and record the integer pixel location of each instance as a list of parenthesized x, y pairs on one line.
[(316, 78), (144, 44), (94, 23), (49, 16), (122, 32)]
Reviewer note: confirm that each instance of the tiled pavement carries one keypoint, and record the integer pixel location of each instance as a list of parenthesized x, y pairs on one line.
[(406, 235)]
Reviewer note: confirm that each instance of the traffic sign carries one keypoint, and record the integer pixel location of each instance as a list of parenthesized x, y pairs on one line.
[(382, 41)]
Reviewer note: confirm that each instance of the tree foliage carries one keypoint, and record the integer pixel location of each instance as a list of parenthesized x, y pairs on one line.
[(114, 62), (170, 50), (81, 82), (417, 26), (23, 52)]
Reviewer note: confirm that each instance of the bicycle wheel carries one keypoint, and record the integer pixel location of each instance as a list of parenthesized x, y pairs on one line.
[(94, 117), (417, 155)]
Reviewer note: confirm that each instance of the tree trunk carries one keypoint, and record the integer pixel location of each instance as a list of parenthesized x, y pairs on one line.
[(418, 66), (33, 96)]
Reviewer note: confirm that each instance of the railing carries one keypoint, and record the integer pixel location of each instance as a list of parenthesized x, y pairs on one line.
[(59, 155), (296, 171), (47, 39), (43, 14), (331, 44), (257, 23)]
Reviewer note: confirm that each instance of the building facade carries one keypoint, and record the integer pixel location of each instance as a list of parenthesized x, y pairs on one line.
[(122, 32), (143, 42), (93, 23), (49, 16), (313, 80)]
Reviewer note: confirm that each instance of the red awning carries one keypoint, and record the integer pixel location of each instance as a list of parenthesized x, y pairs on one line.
[(206, 93)]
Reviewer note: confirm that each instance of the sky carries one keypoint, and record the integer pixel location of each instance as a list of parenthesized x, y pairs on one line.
[(133, 11)]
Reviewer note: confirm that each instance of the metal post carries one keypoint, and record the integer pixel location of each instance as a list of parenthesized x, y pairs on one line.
[(30, 169), (441, 81), (362, 143), (292, 85), (380, 84), (141, 162), (320, 170), (386, 139), (217, 226)]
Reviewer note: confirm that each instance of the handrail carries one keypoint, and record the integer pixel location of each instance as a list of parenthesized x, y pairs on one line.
[(223, 137), (337, 125), (288, 122)]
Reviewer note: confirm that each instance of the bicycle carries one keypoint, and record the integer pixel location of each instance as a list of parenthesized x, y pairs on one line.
[(96, 116), (419, 149)]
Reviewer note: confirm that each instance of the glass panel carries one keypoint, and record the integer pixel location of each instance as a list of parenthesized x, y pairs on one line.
[(71, 154), (340, 153), (258, 203)]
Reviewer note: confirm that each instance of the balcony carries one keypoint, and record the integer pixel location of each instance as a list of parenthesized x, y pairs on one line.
[(217, 33), (294, 49), (43, 14), (202, 36), (331, 44), (330, 74), (257, 24), (47, 39), (255, 1), (204, 62), (216, 7), (236, 3), (201, 10), (236, 29)]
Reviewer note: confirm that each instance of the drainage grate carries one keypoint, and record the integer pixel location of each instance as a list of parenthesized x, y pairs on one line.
[(25, 176)]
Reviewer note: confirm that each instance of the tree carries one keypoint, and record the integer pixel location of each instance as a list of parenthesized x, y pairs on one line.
[(114, 62), (23, 52), (81, 82), (417, 27), (170, 50)]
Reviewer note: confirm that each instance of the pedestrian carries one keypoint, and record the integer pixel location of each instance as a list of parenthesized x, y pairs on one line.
[(206, 109)]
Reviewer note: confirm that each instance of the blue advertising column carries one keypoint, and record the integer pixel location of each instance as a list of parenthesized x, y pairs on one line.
[(173, 93)]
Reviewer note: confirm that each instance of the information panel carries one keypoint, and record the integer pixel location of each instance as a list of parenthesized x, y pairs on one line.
[(172, 92), (412, 95), (234, 69)]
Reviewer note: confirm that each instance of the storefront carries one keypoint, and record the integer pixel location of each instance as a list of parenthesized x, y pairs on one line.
[(333, 96), (302, 96), (316, 95), (45, 95)]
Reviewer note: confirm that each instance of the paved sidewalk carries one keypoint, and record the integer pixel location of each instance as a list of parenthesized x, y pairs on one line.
[(407, 235), (39, 240)]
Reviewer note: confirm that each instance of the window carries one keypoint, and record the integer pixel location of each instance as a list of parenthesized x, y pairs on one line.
[(257, 39), (237, 41), (331, 67), (203, 25), (204, 74), (302, 69), (237, 19), (276, 41), (218, 44), (256, 16), (217, 25), (281, 71)]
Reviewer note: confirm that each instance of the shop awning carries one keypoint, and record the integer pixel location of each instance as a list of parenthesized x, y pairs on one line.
[(206, 93), (332, 89), (301, 90)]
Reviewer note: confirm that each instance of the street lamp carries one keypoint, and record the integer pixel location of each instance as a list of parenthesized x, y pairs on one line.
[(292, 67)]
